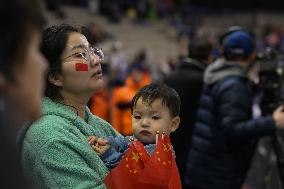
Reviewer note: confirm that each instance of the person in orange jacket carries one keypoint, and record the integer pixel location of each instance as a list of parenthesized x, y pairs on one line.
[(100, 103), (122, 96)]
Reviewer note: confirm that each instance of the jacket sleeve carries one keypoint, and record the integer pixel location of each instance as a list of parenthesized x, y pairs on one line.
[(111, 158), (60, 165), (235, 111), (114, 154)]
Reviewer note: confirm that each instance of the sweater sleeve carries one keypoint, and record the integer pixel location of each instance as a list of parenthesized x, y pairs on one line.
[(235, 104), (107, 129), (61, 165)]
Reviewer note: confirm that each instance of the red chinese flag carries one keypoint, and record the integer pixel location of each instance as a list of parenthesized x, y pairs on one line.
[(143, 154), (161, 169), (126, 173), (175, 182), (81, 67)]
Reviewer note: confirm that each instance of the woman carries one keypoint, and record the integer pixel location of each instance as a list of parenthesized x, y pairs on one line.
[(55, 150), (22, 68)]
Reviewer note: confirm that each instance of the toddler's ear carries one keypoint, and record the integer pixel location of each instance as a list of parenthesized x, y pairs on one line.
[(175, 123)]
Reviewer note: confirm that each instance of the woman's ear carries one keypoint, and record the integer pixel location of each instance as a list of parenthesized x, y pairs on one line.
[(55, 79), (175, 123)]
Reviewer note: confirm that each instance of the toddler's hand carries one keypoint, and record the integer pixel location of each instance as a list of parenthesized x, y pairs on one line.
[(100, 145)]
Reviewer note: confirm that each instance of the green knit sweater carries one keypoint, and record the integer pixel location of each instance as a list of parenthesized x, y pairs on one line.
[(55, 152)]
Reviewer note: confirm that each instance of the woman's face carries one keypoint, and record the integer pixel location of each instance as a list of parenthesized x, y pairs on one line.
[(81, 67), (25, 93)]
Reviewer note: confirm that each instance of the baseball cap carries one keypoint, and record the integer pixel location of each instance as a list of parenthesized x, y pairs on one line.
[(239, 43)]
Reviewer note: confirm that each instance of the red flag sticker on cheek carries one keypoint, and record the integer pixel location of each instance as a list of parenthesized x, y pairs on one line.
[(81, 67)]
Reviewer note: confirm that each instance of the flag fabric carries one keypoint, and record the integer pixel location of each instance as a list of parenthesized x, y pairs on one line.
[(175, 182), (138, 170), (161, 169), (160, 163), (143, 154), (126, 173)]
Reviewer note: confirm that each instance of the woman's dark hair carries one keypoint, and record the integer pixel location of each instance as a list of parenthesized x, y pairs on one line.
[(20, 18), (152, 92), (54, 42)]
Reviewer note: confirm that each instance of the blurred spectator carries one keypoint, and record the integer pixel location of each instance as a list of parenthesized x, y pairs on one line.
[(183, 46), (93, 6), (96, 34), (273, 38), (22, 68), (55, 6), (160, 70), (225, 134), (111, 9), (187, 80), (122, 96), (100, 101), (141, 59), (117, 63), (264, 170), (142, 8), (165, 8)]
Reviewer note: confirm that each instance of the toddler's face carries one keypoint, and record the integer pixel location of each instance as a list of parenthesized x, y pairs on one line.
[(147, 119)]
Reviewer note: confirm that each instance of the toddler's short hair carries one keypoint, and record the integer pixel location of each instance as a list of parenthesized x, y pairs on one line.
[(152, 92)]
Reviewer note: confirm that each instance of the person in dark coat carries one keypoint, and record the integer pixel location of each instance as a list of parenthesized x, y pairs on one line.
[(22, 69), (187, 81), (225, 134)]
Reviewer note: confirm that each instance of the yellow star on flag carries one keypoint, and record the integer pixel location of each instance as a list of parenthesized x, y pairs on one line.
[(165, 148), (170, 147), (135, 156)]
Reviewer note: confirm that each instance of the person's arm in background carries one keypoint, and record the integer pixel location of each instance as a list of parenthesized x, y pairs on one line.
[(235, 112)]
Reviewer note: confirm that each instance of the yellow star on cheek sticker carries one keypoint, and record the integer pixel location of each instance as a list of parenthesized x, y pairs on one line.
[(135, 156)]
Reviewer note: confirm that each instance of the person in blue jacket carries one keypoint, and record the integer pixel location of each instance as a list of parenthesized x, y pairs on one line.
[(225, 134)]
